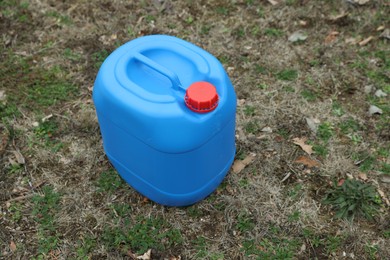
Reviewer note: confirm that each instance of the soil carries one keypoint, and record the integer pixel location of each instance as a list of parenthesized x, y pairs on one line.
[(50, 142)]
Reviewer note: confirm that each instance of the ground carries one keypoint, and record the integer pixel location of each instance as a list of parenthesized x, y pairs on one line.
[(301, 69)]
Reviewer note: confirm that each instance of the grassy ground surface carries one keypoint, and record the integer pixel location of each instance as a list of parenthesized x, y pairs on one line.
[(61, 199)]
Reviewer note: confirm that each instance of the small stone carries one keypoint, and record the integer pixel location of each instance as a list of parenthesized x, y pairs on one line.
[(2, 95), (386, 34), (385, 179), (312, 124), (374, 110), (297, 36), (267, 129), (368, 89), (380, 93)]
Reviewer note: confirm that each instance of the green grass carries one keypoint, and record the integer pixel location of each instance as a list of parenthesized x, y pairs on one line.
[(99, 57), (353, 198), (224, 59), (194, 211), (309, 95), (109, 181), (325, 131), (262, 86), (200, 245), (261, 69), (46, 93), (16, 211), (313, 239), (85, 246), (203, 252), (295, 216), (121, 209), (141, 234), (239, 33), (222, 10), (368, 162), (45, 130), (35, 89), (244, 222), (385, 168), (61, 19), (287, 75), (72, 55), (249, 110), (332, 243), (44, 211), (284, 132), (372, 250), (273, 245), (271, 248), (321, 150), (295, 191), (252, 127), (15, 169), (46, 135), (349, 126), (273, 32)]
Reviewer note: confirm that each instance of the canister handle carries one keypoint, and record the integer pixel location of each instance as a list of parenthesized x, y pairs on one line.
[(160, 69)]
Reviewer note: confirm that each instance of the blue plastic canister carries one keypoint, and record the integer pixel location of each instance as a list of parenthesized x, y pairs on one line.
[(166, 110)]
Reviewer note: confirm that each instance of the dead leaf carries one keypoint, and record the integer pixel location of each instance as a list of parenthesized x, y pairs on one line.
[(366, 41), (13, 162), (380, 28), (12, 246), (146, 256), (273, 2), (19, 157), (108, 39), (302, 22), (239, 165), (307, 162), (286, 177), (335, 18), (362, 176), (331, 37), (305, 147), (240, 102), (383, 196), (361, 2), (341, 182), (47, 118), (351, 41), (279, 138)]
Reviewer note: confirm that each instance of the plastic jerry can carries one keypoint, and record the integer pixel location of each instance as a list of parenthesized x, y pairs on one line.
[(166, 110)]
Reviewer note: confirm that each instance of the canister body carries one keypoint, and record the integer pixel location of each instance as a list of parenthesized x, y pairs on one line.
[(169, 153)]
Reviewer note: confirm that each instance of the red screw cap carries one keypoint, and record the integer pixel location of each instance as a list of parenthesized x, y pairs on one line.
[(201, 97)]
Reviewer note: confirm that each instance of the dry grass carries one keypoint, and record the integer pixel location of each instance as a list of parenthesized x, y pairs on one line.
[(255, 214)]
